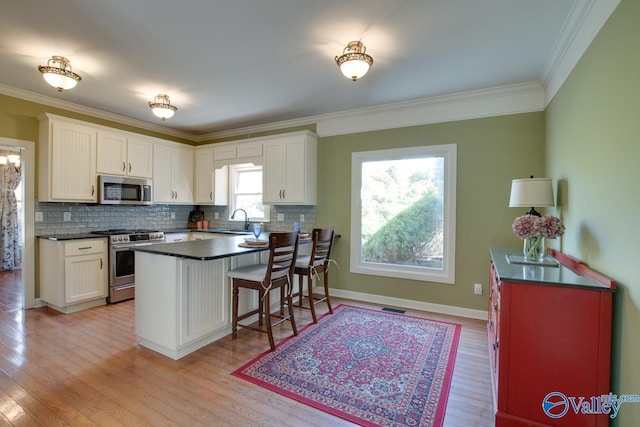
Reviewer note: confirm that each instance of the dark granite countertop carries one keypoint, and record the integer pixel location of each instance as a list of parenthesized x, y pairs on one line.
[(203, 250), (71, 236)]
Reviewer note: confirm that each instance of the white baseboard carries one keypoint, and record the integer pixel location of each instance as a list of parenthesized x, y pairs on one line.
[(406, 303)]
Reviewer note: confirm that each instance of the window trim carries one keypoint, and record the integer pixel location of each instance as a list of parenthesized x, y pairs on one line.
[(447, 273), (233, 170)]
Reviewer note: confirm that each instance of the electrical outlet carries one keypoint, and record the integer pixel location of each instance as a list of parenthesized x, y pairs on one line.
[(301, 217), (216, 215), (66, 216), (477, 288), (39, 217), (173, 215), (280, 217)]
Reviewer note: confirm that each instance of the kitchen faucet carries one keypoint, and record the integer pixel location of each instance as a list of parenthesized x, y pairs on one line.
[(246, 217)]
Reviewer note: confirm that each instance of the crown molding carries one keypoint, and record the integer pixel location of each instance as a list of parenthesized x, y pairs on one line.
[(93, 112), (499, 101), (248, 130), (580, 28)]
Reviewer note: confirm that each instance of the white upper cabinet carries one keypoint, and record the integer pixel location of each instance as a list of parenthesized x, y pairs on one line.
[(210, 186), (67, 158), (120, 154), (289, 169), (235, 153), (172, 174)]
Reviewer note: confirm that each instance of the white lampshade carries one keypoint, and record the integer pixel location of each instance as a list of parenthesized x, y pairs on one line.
[(531, 192)]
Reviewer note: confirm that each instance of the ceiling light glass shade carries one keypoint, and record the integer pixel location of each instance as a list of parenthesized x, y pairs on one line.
[(58, 73), (161, 107), (531, 192), (354, 62)]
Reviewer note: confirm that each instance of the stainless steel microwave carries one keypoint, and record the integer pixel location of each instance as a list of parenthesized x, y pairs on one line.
[(120, 190)]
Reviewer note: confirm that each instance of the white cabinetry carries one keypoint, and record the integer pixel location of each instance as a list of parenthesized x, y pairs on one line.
[(289, 174), (172, 174), (234, 153), (123, 155), (73, 273), (210, 183), (67, 158)]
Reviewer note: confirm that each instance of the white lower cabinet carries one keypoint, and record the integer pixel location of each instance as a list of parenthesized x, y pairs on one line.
[(73, 273)]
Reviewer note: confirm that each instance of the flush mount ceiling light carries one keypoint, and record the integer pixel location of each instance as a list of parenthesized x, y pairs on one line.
[(58, 73), (161, 107), (354, 62)]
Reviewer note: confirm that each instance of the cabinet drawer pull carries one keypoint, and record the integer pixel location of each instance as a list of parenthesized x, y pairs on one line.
[(85, 247), (123, 167), (129, 166), (92, 190), (100, 263), (211, 195)]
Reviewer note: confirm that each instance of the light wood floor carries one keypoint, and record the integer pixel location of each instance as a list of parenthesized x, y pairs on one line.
[(85, 369)]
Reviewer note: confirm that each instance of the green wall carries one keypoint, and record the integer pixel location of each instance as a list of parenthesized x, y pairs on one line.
[(491, 152), (593, 149)]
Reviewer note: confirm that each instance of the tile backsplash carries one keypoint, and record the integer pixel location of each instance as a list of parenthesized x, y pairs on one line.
[(84, 218)]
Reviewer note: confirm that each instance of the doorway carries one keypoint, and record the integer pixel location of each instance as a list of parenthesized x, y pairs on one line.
[(21, 260)]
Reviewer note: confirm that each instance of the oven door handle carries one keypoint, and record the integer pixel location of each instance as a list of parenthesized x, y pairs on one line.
[(123, 287)]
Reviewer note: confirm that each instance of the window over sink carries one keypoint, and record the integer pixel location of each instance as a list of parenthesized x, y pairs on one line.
[(403, 213), (245, 191)]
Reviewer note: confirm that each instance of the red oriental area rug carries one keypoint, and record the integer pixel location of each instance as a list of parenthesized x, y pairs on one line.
[(367, 366)]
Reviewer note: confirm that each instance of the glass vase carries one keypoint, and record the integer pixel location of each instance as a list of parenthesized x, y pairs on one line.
[(533, 248)]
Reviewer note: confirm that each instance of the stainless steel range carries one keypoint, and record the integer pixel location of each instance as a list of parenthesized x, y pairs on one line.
[(122, 259)]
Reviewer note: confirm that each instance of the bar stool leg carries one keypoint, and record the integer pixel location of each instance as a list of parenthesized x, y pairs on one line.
[(234, 316), (326, 289), (292, 319), (312, 304), (266, 309)]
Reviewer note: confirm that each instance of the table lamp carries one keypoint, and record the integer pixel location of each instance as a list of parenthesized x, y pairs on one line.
[(531, 192)]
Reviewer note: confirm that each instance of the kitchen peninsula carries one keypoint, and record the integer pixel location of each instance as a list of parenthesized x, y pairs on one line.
[(183, 293)]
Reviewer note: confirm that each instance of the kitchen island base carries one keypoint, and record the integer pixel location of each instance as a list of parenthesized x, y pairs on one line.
[(184, 304)]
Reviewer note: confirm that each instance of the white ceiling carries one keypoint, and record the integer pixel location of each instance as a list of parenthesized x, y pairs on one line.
[(242, 63)]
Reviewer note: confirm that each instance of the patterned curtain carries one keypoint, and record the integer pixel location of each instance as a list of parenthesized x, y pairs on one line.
[(10, 250)]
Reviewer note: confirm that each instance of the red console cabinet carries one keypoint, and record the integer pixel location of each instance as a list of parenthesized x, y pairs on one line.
[(549, 333)]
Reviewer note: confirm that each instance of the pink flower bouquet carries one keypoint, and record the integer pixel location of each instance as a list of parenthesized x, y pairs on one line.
[(528, 226)]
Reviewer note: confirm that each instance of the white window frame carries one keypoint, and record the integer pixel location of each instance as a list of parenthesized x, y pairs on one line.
[(233, 169), (447, 273)]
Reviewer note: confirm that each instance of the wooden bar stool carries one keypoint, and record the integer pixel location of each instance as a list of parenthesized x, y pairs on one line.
[(277, 274), (313, 265)]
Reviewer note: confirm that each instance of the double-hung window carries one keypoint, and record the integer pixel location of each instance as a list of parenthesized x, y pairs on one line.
[(245, 190), (403, 213)]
